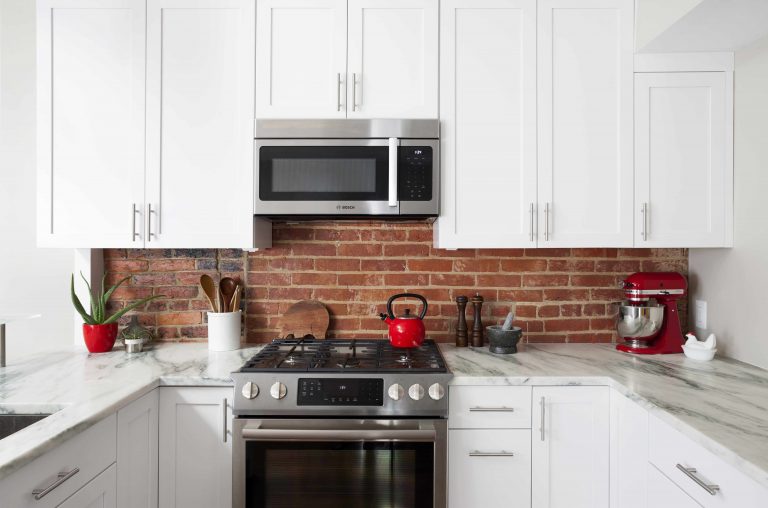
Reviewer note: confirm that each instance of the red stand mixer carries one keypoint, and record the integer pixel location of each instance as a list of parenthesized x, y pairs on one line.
[(648, 320)]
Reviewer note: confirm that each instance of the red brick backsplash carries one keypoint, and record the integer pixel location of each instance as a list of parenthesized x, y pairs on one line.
[(561, 295)]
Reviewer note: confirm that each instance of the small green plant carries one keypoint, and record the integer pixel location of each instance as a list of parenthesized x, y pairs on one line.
[(98, 315)]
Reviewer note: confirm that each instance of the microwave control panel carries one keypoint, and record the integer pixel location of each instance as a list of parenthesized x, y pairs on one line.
[(414, 173), (340, 392)]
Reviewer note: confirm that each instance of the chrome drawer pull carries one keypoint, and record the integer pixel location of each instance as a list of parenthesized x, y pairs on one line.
[(502, 453), (61, 478), (690, 472), (500, 409)]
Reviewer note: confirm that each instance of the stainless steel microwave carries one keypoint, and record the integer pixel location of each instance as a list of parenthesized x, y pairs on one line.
[(306, 169)]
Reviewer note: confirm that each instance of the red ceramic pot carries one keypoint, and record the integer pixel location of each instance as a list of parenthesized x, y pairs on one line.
[(100, 338)]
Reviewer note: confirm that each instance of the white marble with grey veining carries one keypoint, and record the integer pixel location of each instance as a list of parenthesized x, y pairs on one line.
[(81, 389), (722, 404)]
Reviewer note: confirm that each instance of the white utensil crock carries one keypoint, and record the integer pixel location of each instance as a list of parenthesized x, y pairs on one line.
[(224, 331)]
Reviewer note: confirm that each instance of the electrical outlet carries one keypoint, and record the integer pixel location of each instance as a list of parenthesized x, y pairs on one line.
[(701, 314)]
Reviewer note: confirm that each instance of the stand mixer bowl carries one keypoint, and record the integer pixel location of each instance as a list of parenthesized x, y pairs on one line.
[(639, 322)]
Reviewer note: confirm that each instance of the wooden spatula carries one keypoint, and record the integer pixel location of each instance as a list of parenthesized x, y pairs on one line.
[(307, 317)]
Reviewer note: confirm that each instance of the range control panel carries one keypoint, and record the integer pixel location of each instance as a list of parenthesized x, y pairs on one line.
[(340, 392), (414, 167)]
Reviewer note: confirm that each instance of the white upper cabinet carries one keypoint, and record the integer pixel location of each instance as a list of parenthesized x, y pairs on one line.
[(488, 124), (683, 159), (570, 447), (585, 67), (393, 58), (301, 52), (90, 123), (200, 110)]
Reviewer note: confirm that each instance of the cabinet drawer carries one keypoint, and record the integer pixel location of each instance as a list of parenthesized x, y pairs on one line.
[(489, 468), (669, 449), (91, 451), (489, 407)]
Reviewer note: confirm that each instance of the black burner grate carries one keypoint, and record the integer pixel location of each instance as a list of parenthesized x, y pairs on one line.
[(336, 355)]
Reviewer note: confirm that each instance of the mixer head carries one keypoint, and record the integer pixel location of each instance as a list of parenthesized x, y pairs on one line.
[(662, 286)]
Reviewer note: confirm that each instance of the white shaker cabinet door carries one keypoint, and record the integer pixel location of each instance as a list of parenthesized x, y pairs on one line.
[(585, 66), (200, 110), (488, 124), (195, 448), (489, 468), (90, 123), (393, 59), (98, 493), (570, 447), (137, 453), (683, 159), (301, 58)]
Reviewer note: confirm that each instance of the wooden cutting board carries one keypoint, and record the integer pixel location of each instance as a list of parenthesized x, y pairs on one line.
[(305, 317)]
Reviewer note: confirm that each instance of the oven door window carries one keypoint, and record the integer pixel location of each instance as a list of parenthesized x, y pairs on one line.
[(323, 173), (339, 474)]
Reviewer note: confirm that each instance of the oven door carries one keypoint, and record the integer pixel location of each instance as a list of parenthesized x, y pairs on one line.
[(325, 177), (321, 463)]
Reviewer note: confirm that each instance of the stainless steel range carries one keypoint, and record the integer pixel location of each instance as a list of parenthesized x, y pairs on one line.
[(354, 423)]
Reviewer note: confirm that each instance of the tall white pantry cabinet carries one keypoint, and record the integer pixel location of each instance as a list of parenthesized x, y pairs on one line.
[(141, 119)]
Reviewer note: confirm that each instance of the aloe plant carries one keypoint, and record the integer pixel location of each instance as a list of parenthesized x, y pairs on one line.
[(98, 314)]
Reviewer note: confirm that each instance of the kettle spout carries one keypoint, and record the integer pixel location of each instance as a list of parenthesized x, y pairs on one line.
[(385, 318)]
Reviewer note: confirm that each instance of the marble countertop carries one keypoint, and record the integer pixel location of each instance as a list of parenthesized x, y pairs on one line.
[(722, 404), (81, 389)]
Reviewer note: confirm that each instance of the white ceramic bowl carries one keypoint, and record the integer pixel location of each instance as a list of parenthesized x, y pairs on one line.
[(702, 355)]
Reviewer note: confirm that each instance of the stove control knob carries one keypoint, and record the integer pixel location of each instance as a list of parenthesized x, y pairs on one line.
[(416, 392), (250, 390), (278, 390), (436, 391), (396, 392)]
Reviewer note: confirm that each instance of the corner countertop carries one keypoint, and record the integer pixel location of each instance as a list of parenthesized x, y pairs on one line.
[(80, 389), (722, 404)]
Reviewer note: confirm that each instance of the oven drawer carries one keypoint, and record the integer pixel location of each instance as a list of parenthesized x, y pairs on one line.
[(489, 407), (671, 452)]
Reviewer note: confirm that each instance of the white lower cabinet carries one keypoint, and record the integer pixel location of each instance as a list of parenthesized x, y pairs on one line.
[(195, 448), (570, 447), (663, 493), (101, 492), (137, 434), (489, 468), (629, 453)]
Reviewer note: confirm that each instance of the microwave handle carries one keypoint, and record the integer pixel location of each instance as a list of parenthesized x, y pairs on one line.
[(393, 171)]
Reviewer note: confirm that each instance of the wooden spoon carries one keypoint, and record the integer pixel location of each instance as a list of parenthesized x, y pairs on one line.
[(228, 287), (234, 304), (209, 288)]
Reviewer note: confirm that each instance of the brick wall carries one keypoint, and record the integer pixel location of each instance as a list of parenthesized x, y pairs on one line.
[(562, 295)]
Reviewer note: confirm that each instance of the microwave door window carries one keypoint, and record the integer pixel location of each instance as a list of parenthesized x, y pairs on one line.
[(323, 173)]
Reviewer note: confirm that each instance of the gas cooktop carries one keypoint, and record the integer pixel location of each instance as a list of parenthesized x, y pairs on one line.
[(345, 356)]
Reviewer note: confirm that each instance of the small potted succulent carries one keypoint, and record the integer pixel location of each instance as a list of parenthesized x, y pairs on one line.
[(99, 329)]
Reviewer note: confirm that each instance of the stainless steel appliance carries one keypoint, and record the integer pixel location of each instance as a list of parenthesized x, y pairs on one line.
[(329, 423), (347, 168)]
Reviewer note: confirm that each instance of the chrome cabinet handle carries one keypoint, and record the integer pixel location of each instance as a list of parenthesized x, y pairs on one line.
[(60, 478), (224, 420), (338, 91), (133, 222), (502, 453), (546, 222), (355, 105), (543, 405), (690, 472), (500, 409), (644, 230), (150, 234), (530, 211)]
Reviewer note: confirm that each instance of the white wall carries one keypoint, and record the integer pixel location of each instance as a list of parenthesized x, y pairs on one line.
[(733, 281), (31, 279), (652, 17)]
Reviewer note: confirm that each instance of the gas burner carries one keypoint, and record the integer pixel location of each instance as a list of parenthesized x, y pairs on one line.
[(349, 363)]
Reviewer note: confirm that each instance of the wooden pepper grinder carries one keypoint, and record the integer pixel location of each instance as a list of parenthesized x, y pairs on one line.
[(461, 327), (477, 326)]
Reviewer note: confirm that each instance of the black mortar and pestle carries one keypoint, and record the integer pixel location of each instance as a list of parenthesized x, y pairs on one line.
[(503, 339)]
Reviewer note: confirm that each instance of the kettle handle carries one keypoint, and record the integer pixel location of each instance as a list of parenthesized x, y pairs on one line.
[(406, 295)]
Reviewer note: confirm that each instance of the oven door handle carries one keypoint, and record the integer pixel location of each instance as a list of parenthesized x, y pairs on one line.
[(382, 435), (393, 171)]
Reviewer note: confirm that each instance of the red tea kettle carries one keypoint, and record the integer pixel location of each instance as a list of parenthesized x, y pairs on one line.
[(405, 330)]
